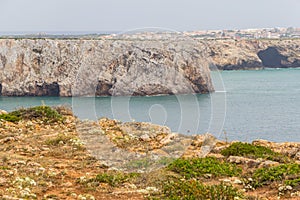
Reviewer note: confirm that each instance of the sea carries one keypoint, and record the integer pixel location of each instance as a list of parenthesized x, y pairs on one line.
[(246, 106)]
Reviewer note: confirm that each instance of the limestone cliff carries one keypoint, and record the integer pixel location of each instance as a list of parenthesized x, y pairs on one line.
[(131, 65), (254, 54), (36, 67)]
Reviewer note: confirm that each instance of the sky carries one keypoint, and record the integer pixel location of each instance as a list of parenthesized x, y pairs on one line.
[(123, 15)]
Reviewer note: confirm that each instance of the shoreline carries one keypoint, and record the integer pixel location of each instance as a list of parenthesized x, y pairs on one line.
[(121, 72)]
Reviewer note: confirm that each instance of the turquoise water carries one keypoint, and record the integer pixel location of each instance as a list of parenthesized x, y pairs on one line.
[(256, 105)]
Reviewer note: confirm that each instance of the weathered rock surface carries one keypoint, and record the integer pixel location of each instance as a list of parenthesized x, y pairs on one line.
[(291, 149), (254, 54), (36, 67), (120, 66)]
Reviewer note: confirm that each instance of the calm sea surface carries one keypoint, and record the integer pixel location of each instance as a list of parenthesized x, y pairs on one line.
[(250, 105)]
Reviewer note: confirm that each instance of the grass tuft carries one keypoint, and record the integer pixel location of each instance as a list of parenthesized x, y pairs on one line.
[(111, 178), (254, 152), (60, 139)]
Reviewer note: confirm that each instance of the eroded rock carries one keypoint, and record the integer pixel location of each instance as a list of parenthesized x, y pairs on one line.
[(47, 67), (254, 54)]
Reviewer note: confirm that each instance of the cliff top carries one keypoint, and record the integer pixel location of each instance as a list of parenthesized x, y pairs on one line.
[(46, 153)]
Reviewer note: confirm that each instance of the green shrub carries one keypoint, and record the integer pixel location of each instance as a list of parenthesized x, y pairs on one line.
[(44, 113), (197, 167), (193, 189), (293, 182), (253, 151), (265, 176), (10, 117)]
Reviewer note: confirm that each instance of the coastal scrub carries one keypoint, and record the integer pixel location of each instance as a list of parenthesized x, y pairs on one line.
[(253, 151), (193, 189), (201, 167), (44, 113), (288, 173)]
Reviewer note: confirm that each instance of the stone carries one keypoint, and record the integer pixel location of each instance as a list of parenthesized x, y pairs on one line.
[(297, 155), (226, 180), (130, 186), (216, 155), (237, 181), (8, 139), (3, 181), (268, 163), (160, 153), (145, 137), (152, 189), (67, 184), (168, 139), (3, 112), (233, 180), (243, 160)]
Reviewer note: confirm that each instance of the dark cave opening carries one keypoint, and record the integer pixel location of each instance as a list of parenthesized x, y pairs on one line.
[(271, 57)]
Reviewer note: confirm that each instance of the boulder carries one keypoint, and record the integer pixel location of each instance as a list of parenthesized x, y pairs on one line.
[(3, 112)]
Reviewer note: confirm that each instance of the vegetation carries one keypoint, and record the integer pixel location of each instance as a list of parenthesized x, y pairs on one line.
[(60, 139), (264, 176), (293, 182), (253, 151), (193, 178), (193, 189), (147, 162), (112, 178), (199, 167), (10, 117), (43, 113), (4, 168)]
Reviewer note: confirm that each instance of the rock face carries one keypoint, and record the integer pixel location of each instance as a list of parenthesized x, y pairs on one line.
[(124, 66), (254, 54), (36, 67)]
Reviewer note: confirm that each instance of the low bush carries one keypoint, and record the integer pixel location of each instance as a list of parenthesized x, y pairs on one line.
[(283, 172), (199, 167), (253, 151), (293, 182), (193, 189), (44, 113), (10, 117)]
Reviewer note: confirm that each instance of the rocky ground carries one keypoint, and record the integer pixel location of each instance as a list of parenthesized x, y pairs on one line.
[(55, 159)]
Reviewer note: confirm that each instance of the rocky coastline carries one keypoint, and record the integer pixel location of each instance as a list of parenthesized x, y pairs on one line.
[(46, 154), (254, 54), (49, 67), (112, 67)]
